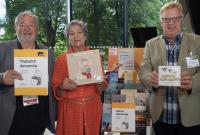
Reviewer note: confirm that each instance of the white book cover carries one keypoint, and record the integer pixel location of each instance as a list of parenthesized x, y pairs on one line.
[(169, 75), (33, 66), (85, 67), (123, 117), (126, 58)]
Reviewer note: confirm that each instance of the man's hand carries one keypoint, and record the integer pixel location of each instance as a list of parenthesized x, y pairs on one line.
[(186, 81), (9, 77), (154, 79)]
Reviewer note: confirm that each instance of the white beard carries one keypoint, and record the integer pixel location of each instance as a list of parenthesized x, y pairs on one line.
[(26, 38)]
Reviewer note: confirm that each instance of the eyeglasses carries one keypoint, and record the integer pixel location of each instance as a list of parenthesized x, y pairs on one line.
[(173, 19)]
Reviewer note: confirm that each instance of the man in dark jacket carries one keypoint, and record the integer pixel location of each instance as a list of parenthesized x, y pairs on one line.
[(15, 117)]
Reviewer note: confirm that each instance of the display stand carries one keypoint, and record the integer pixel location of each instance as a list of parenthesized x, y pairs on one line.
[(142, 118), (123, 67)]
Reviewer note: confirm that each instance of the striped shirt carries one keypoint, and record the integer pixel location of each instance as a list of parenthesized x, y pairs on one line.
[(171, 111)]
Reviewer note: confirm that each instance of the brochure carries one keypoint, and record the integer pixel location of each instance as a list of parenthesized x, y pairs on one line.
[(33, 66)]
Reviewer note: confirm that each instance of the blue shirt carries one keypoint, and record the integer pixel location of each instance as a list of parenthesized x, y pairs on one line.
[(171, 111)]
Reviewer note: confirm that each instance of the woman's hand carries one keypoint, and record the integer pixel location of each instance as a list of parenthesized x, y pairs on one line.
[(68, 84)]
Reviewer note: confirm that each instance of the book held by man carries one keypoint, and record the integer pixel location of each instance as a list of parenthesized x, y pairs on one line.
[(33, 66)]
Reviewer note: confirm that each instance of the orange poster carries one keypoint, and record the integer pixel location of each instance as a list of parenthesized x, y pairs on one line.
[(113, 56)]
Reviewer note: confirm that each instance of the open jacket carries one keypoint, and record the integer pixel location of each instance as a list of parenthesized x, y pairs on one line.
[(7, 98), (154, 56)]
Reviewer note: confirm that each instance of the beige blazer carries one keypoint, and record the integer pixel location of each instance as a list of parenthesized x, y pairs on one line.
[(154, 56)]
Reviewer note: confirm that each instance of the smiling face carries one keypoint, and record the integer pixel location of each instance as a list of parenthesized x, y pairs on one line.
[(171, 22), (27, 29), (77, 37)]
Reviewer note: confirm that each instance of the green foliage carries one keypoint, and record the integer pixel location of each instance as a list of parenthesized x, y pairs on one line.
[(104, 19), (52, 17), (60, 47)]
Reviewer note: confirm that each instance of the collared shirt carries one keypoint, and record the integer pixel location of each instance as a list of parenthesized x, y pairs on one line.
[(171, 111)]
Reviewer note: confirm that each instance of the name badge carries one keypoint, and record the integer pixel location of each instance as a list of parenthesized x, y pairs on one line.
[(192, 61), (30, 100)]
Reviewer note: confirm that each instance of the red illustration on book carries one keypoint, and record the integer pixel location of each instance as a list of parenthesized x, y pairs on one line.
[(85, 67)]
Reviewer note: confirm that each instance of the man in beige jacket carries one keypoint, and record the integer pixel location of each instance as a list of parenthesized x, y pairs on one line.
[(174, 110)]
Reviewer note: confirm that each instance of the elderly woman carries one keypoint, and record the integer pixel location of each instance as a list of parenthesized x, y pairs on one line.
[(79, 106)]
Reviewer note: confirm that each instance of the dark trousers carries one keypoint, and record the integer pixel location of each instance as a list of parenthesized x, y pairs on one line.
[(161, 128)]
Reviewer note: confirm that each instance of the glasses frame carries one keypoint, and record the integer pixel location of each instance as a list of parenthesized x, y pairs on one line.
[(173, 19)]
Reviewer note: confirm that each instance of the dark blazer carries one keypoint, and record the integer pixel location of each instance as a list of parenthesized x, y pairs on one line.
[(154, 56), (7, 98)]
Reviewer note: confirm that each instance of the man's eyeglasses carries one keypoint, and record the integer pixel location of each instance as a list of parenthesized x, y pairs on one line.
[(173, 19)]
